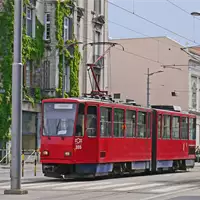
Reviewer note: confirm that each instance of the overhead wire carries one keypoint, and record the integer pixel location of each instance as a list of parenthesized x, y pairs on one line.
[(185, 11), (151, 22)]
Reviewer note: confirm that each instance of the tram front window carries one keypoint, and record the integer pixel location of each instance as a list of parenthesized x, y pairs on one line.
[(59, 119)]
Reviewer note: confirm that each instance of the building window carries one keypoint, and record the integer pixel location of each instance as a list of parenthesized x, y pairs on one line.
[(66, 29), (78, 31), (194, 95), (47, 27), (1, 5), (29, 22), (97, 6), (28, 74)]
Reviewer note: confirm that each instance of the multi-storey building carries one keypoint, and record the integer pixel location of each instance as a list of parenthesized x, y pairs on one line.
[(85, 21)]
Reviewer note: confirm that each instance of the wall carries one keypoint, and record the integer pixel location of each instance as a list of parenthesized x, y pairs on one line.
[(127, 73)]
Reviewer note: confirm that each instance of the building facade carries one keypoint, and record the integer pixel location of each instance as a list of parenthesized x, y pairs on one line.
[(173, 73), (87, 23), (50, 25)]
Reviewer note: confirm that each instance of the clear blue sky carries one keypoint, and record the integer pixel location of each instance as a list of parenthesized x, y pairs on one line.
[(159, 11)]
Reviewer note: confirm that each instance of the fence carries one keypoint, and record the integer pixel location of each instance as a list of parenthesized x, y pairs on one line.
[(30, 156), (27, 156)]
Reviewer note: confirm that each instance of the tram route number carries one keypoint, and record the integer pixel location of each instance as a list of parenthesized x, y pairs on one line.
[(78, 143), (78, 146)]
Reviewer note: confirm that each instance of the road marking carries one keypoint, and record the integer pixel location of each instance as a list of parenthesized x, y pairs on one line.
[(43, 185), (138, 187), (81, 185), (110, 186), (40, 185), (170, 193), (171, 188)]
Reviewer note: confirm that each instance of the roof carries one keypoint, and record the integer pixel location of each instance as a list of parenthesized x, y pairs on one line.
[(154, 38)]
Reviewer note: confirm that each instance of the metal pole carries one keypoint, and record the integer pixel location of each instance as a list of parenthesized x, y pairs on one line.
[(17, 102), (148, 93)]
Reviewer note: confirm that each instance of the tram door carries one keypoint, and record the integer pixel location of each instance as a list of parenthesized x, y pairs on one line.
[(86, 145)]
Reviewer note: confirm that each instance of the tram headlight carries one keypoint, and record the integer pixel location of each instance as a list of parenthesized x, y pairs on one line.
[(45, 153), (67, 153)]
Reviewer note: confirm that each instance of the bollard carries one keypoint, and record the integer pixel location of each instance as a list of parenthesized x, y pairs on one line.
[(35, 163), (23, 163)]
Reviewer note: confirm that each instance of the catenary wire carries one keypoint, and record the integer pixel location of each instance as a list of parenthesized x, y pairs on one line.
[(151, 22)]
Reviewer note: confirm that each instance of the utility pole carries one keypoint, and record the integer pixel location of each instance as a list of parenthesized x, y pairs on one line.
[(148, 90), (148, 84), (17, 102)]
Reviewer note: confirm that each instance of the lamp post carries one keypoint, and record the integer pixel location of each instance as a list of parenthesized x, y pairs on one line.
[(64, 67), (17, 102), (148, 83)]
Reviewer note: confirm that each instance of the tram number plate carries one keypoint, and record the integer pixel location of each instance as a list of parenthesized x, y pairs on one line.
[(78, 146)]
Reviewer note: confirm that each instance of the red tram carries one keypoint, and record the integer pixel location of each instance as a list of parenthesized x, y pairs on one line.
[(91, 137)]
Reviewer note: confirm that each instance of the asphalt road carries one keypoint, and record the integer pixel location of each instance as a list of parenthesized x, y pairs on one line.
[(176, 186)]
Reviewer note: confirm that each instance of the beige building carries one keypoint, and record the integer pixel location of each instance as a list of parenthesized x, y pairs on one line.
[(177, 83)]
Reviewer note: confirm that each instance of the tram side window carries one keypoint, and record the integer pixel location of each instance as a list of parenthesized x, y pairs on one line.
[(159, 126), (166, 127), (80, 121), (106, 122), (92, 121), (184, 128), (149, 125), (192, 129), (142, 124), (130, 123), (175, 127), (118, 123)]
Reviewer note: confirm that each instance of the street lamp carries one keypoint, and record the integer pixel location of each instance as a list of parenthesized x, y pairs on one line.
[(195, 14), (148, 83), (63, 81), (17, 102)]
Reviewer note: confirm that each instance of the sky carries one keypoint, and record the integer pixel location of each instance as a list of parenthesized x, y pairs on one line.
[(185, 28)]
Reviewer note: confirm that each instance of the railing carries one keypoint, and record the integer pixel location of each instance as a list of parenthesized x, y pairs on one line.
[(30, 156)]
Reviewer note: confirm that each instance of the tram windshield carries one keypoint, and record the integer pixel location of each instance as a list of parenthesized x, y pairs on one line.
[(59, 119)]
